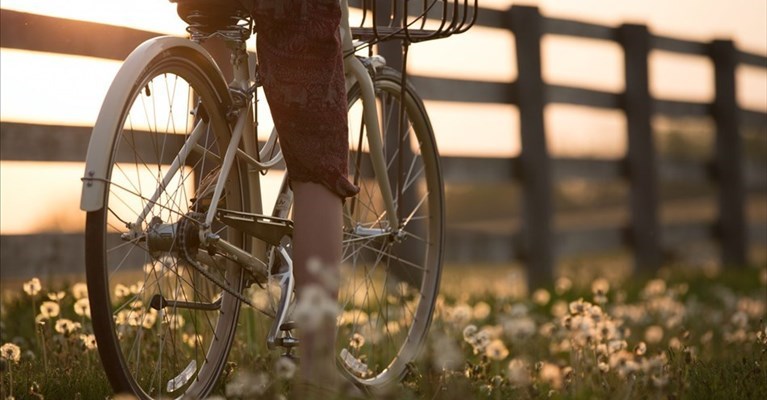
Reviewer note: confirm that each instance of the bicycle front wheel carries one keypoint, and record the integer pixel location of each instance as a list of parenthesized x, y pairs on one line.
[(163, 322), (390, 274)]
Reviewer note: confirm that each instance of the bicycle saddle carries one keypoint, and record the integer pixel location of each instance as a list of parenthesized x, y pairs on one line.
[(213, 15)]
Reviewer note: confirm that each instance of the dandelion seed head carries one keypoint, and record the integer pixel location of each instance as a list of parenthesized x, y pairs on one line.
[(518, 372), (640, 349), (10, 352), (653, 334), (563, 285), (49, 309), (121, 291), (82, 307), (89, 341), (32, 287), (551, 374), (356, 341), (600, 286), (65, 326), (285, 368), (469, 331), (481, 311), (496, 350), (541, 297), (80, 290), (56, 296)]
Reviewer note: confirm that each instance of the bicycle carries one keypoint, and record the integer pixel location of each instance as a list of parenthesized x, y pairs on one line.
[(175, 231)]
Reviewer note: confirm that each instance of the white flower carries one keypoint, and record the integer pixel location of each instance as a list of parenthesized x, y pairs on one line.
[(65, 326), (653, 334), (496, 350), (315, 307), (481, 311), (551, 374), (83, 308), (56, 296), (541, 297), (89, 341), (10, 352), (284, 368), (519, 374), (49, 309), (32, 287), (80, 290)]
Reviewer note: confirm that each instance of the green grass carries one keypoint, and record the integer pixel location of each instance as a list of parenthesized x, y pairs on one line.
[(685, 333)]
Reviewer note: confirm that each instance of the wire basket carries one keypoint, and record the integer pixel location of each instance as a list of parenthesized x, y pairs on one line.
[(413, 20)]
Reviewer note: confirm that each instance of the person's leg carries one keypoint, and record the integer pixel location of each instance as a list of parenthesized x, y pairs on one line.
[(316, 255)]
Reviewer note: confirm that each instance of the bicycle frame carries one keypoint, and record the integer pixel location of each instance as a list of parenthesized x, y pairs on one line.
[(241, 89)]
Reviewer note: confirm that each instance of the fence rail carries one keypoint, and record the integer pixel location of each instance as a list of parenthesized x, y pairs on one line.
[(535, 238)]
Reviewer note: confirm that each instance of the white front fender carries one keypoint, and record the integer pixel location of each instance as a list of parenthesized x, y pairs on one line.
[(109, 121)]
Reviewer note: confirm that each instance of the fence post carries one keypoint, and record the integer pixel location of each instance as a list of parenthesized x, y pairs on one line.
[(537, 237), (731, 226), (641, 158)]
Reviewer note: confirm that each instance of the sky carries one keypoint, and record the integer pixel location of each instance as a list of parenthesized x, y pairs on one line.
[(75, 91)]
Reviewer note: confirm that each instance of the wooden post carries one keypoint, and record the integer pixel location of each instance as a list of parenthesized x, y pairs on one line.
[(731, 226), (640, 158), (537, 238)]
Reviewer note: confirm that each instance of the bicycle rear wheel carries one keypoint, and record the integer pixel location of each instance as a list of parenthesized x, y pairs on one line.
[(163, 326), (390, 275)]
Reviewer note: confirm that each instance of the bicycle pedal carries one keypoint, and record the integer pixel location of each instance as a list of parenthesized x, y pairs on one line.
[(288, 326), (287, 342), (269, 229)]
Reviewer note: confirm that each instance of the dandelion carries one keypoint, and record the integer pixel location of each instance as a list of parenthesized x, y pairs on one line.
[(460, 314), (65, 326), (80, 290), (481, 311), (49, 309), (89, 341), (57, 296), (469, 332), (356, 341), (32, 287), (640, 349), (284, 368), (496, 350), (121, 291), (315, 307), (551, 374), (83, 308), (541, 297), (446, 355), (577, 307), (10, 352), (562, 285), (247, 385), (653, 334), (519, 374), (600, 286)]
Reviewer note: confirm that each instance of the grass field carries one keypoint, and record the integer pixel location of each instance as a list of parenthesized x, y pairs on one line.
[(682, 334)]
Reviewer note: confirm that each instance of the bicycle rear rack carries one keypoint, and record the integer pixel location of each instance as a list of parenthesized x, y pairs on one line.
[(413, 20)]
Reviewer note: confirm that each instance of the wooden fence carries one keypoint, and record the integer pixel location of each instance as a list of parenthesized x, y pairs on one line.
[(536, 243)]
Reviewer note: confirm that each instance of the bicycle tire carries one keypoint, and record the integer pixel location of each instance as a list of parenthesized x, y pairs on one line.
[(382, 330), (180, 351)]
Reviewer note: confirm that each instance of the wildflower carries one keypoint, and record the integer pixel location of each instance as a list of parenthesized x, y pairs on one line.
[(541, 297), (10, 352), (654, 288), (353, 317), (445, 353), (83, 308), (121, 291), (653, 334), (247, 385), (481, 311), (469, 332), (559, 309), (56, 296), (659, 380), (80, 291), (49, 309), (600, 286), (89, 341), (562, 285), (496, 350), (519, 375), (577, 307), (357, 341), (551, 374), (460, 314), (640, 349), (315, 307), (65, 326), (519, 328), (32, 287), (150, 317), (174, 321), (284, 368)]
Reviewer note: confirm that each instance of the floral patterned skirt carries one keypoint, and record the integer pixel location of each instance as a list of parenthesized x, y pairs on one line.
[(301, 69)]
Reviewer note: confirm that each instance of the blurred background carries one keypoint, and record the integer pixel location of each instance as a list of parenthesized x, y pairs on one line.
[(600, 204)]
